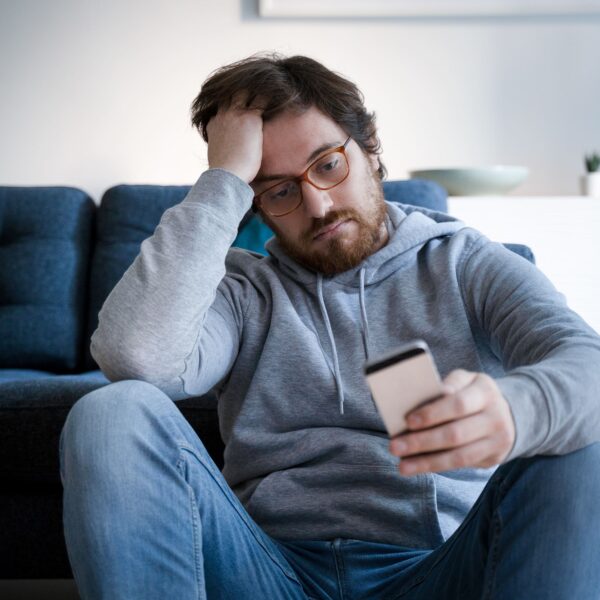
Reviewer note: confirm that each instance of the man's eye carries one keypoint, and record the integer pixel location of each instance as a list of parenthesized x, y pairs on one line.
[(329, 165), (280, 193)]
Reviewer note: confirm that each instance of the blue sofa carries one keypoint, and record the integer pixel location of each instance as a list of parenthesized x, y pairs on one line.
[(60, 255)]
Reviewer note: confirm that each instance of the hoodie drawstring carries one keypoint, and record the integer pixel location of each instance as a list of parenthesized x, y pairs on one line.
[(363, 313), (365, 332), (336, 364)]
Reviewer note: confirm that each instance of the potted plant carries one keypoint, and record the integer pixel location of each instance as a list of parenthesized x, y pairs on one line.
[(590, 183)]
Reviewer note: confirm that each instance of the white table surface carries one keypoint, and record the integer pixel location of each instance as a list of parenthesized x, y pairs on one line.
[(562, 231)]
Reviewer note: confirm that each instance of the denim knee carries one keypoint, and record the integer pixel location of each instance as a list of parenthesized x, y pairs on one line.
[(581, 474), (566, 486), (102, 425), (570, 470)]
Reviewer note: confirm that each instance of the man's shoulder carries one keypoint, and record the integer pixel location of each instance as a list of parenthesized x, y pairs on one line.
[(455, 250), (469, 238), (461, 242)]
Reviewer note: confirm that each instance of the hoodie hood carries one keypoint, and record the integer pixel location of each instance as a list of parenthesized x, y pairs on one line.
[(409, 228)]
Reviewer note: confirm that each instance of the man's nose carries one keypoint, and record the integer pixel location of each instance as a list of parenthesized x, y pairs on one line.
[(317, 203)]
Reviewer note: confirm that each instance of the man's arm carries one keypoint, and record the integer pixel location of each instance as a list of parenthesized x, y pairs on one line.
[(548, 401), (551, 356), (171, 320)]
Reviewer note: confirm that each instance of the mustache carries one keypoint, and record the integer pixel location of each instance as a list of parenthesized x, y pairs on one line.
[(329, 219)]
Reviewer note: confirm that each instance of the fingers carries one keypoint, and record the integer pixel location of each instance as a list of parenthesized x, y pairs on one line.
[(243, 108), (243, 100), (480, 453), (451, 435), (234, 115), (238, 100), (235, 141), (466, 394), (470, 426)]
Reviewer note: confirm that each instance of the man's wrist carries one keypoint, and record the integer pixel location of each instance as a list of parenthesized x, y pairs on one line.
[(238, 170)]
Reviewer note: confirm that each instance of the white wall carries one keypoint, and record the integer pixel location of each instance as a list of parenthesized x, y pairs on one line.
[(97, 92)]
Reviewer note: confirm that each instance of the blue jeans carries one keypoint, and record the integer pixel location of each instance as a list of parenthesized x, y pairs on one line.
[(148, 515)]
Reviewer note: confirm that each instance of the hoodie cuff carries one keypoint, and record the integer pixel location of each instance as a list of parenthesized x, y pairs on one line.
[(529, 411), (224, 194)]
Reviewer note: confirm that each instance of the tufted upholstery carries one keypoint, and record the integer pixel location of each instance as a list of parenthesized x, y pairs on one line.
[(45, 239)]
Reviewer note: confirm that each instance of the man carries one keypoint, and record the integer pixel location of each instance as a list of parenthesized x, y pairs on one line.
[(313, 501)]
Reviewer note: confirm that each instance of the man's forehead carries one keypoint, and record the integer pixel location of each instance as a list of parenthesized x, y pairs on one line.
[(268, 175), (292, 141)]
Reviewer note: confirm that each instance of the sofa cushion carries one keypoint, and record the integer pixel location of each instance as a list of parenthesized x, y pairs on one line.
[(33, 412), (419, 192), (23, 374), (45, 237)]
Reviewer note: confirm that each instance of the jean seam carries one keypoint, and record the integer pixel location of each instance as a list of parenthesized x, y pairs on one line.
[(494, 547), (249, 525), (339, 567), (197, 536), (342, 571), (61, 457), (185, 445), (494, 557)]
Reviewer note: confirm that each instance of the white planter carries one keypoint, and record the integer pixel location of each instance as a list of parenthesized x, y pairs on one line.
[(590, 184)]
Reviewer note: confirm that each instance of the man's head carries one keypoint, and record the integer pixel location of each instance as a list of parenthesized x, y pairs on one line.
[(277, 83), (307, 110)]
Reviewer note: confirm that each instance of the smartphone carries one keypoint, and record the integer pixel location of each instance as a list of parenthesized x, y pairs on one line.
[(402, 380)]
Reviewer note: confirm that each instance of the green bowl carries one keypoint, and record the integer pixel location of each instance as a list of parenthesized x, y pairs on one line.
[(477, 181)]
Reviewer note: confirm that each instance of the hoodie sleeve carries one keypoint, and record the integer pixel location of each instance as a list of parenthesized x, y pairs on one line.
[(171, 320), (551, 356)]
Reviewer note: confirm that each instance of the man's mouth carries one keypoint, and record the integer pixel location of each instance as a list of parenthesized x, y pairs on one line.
[(329, 230)]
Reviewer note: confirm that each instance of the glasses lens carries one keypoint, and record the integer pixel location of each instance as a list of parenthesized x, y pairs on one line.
[(329, 170), (282, 198)]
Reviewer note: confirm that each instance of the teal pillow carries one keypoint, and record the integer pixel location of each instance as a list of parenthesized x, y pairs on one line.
[(253, 235)]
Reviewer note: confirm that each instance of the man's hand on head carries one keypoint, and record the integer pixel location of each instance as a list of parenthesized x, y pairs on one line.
[(471, 425), (235, 140)]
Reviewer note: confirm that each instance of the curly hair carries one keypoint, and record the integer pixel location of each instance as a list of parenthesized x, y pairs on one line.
[(276, 83)]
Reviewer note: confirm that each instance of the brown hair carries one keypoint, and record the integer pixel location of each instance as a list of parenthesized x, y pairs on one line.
[(277, 83)]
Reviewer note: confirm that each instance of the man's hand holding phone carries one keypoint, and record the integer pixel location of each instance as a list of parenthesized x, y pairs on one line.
[(471, 425), (468, 423)]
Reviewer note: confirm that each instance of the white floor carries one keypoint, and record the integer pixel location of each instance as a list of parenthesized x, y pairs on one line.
[(38, 589)]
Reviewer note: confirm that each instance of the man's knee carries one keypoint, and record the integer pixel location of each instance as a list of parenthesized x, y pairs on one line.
[(100, 423), (580, 471), (567, 485), (572, 468)]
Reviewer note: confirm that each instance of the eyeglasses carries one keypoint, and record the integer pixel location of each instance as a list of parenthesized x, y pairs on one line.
[(329, 170)]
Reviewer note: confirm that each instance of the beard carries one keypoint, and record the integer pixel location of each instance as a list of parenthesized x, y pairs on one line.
[(342, 252)]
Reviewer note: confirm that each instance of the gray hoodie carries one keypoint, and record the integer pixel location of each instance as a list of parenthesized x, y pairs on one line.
[(306, 450)]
